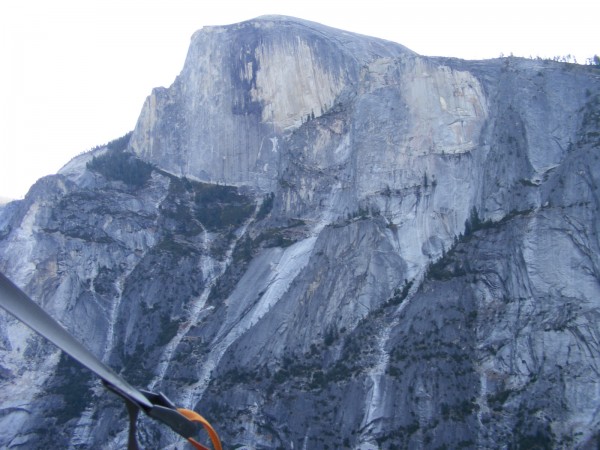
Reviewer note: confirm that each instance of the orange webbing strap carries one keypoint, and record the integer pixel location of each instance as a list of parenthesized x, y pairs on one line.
[(195, 417)]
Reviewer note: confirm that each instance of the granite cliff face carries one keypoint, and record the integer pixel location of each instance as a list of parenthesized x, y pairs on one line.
[(323, 240)]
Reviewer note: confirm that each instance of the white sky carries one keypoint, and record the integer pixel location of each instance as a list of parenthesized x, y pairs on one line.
[(75, 73)]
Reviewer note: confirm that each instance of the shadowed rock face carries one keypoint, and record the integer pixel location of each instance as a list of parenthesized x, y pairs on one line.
[(340, 244)]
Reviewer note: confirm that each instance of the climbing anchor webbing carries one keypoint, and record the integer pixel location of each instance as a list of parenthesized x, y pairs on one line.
[(184, 422)]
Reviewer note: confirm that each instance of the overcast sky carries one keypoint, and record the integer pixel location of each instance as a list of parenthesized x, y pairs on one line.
[(75, 73)]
